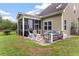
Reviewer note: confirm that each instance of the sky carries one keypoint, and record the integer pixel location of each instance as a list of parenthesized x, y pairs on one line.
[(10, 10)]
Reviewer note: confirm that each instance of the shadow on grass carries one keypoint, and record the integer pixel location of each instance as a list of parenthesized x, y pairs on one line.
[(2, 34)]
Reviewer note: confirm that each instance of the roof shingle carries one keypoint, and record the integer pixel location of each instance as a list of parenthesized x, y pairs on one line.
[(53, 8)]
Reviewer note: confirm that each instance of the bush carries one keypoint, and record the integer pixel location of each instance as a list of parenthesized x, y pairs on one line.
[(7, 32)]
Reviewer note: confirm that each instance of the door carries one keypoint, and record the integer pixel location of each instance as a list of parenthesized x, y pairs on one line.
[(37, 26)]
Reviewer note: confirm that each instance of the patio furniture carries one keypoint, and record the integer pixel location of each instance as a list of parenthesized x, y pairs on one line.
[(55, 36)]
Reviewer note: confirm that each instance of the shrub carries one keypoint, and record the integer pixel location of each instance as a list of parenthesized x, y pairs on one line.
[(7, 32)]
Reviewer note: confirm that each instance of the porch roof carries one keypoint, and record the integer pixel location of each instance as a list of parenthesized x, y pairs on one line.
[(27, 16), (38, 17)]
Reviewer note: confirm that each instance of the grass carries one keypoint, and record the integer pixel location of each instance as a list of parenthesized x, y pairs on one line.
[(13, 45), (7, 45)]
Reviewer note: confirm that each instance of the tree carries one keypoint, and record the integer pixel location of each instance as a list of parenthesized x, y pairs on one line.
[(13, 26), (0, 22), (7, 24)]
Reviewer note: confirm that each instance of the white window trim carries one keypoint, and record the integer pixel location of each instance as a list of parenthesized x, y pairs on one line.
[(47, 25)]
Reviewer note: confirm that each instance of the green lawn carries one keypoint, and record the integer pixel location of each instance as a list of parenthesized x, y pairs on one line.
[(13, 45)]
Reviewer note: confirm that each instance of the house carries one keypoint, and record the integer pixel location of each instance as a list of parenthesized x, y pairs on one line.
[(56, 17)]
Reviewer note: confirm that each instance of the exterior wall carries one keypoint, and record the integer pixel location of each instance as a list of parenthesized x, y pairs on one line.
[(56, 23), (77, 16), (70, 16)]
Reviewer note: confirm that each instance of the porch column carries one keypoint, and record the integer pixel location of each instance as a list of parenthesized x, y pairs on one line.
[(17, 27), (23, 25)]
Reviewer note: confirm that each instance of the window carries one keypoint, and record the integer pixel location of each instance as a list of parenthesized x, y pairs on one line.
[(48, 25), (65, 22), (36, 21), (36, 27), (45, 23), (45, 27), (37, 24)]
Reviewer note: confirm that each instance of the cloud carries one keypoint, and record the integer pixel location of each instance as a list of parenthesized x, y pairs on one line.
[(9, 18), (6, 15), (43, 6), (2, 12), (38, 8), (33, 12)]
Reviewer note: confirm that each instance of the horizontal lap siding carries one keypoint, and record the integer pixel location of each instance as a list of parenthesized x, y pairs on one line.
[(69, 15), (56, 23)]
